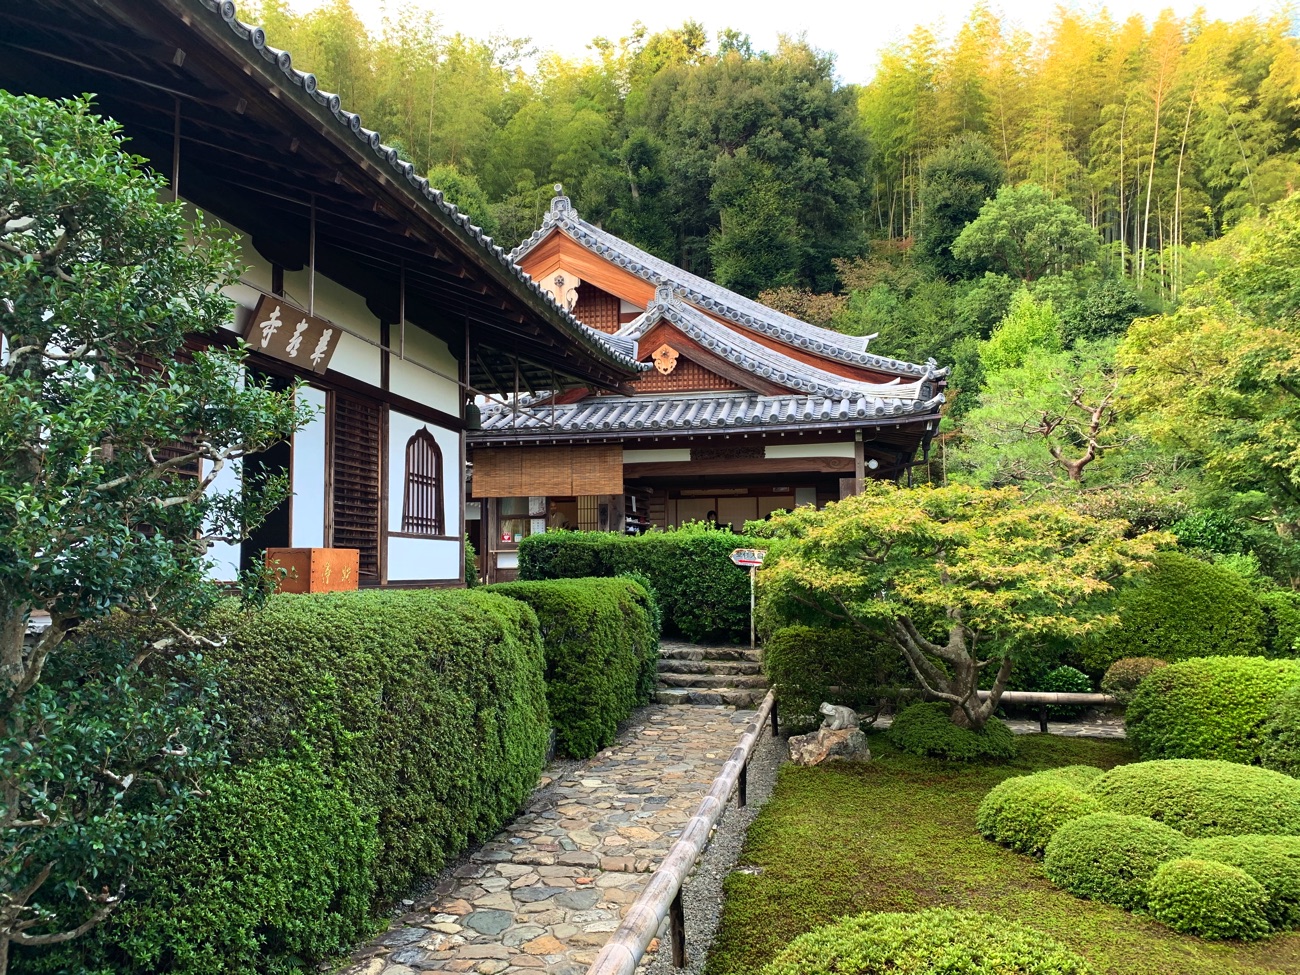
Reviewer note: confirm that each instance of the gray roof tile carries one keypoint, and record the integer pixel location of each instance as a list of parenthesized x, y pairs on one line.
[(715, 298)]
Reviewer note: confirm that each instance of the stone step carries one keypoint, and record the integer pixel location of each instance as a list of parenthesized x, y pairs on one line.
[(691, 652), (743, 698), (712, 680), (710, 666)]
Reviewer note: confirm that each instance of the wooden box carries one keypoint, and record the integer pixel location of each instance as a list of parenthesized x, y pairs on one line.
[(315, 569)]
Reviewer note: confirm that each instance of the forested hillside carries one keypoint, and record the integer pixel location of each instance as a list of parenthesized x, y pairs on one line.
[(1087, 225)]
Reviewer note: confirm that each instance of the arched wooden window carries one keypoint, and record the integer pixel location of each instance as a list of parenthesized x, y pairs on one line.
[(422, 498)]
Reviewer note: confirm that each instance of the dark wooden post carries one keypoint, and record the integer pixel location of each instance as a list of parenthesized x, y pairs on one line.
[(744, 785), (1042, 718), (677, 930), (776, 728)]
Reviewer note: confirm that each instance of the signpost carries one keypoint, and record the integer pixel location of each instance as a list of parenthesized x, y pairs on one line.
[(750, 558)]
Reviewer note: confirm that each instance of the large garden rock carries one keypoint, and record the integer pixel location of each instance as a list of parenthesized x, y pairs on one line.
[(823, 745)]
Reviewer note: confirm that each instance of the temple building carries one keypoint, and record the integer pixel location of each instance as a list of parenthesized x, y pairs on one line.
[(360, 283), (746, 410)]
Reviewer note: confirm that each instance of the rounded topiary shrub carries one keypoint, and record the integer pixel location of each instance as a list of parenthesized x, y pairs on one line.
[(1182, 608), (1079, 775), (940, 940), (1214, 707), (1110, 857), (1273, 861), (1204, 798), (1209, 899), (1280, 734), (1122, 678), (927, 729), (1024, 812)]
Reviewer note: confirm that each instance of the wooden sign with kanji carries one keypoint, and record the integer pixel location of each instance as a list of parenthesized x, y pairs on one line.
[(284, 331)]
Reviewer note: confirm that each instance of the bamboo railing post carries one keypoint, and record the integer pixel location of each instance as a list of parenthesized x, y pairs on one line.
[(775, 722), (743, 786), (1042, 718), (677, 930), (663, 894)]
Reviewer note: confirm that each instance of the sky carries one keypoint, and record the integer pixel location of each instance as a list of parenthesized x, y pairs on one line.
[(855, 31)]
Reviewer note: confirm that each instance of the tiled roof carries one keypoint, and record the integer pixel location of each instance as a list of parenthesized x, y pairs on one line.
[(251, 41), (764, 362), (701, 411), (714, 298)]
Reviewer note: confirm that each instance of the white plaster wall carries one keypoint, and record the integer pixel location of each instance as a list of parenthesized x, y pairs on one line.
[(423, 558), (224, 556), (794, 450), (658, 455), (406, 377), (309, 463)]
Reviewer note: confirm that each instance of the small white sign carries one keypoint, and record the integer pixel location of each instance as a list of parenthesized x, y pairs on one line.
[(749, 557)]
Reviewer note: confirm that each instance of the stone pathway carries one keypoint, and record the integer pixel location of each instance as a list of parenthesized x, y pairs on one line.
[(546, 893)]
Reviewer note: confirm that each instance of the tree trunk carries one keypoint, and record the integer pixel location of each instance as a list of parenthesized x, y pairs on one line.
[(959, 685)]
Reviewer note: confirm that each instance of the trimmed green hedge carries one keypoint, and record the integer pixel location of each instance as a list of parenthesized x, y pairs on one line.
[(1280, 734), (704, 597), (1209, 899), (1182, 608), (937, 940), (812, 664), (427, 707), (927, 729), (602, 651), (273, 863), (1274, 861), (1212, 707), (1110, 857), (1204, 798), (1123, 676), (1023, 812)]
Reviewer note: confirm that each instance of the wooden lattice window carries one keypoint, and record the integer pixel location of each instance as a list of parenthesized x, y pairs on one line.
[(422, 512), (357, 430)]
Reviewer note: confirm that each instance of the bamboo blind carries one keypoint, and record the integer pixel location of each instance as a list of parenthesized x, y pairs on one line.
[(515, 472), (356, 480)]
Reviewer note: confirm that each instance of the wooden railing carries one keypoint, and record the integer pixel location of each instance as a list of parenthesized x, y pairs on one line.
[(663, 895), (1044, 698)]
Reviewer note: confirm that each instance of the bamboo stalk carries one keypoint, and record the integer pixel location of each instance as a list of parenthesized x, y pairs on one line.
[(623, 951)]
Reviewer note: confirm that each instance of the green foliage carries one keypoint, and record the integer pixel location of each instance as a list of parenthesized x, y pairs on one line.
[(703, 596), (925, 942), (1122, 678), (600, 645), (463, 190), (1280, 733), (471, 564), (805, 663), (1065, 680), (1080, 775), (1104, 311), (102, 279), (427, 707), (1023, 812), (1030, 326), (1025, 233), (1204, 798), (955, 183), (1208, 899), (1211, 531), (1212, 707), (1111, 857), (940, 571), (1273, 861), (927, 729), (1182, 608), (274, 864), (1281, 609)]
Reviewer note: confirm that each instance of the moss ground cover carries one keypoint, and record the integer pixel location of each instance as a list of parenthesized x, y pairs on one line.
[(898, 834)]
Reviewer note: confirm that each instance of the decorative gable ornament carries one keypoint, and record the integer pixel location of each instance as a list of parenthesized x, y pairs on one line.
[(563, 289), (665, 358)]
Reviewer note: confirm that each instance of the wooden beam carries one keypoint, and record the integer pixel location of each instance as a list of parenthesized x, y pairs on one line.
[(782, 465)]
